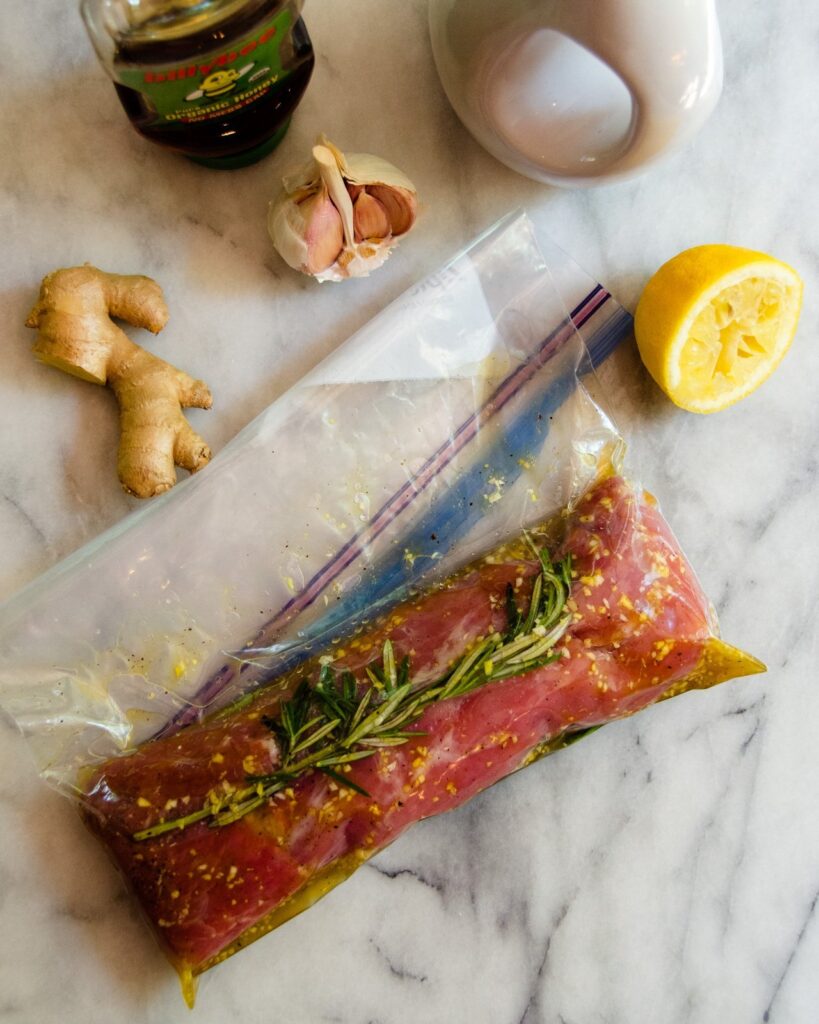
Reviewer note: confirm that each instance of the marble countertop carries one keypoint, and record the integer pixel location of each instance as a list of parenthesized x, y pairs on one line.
[(666, 870)]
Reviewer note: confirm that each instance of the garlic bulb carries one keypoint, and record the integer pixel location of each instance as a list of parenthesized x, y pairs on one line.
[(341, 214)]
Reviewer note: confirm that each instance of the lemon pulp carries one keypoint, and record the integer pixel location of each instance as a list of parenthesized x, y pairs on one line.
[(733, 339)]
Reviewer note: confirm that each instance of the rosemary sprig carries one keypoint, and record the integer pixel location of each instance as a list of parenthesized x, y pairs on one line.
[(327, 726)]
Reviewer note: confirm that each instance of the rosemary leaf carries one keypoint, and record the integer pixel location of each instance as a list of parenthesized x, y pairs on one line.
[(342, 781), (388, 661), (240, 810), (453, 681), (314, 737), (378, 717), (359, 711), (376, 679), (534, 604), (344, 757)]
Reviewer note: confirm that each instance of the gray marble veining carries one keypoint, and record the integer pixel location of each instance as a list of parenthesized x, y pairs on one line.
[(665, 870)]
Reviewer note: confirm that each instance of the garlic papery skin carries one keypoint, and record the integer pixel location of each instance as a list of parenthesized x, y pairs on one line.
[(341, 214)]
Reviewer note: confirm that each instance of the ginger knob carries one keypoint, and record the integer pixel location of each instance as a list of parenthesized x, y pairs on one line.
[(76, 334)]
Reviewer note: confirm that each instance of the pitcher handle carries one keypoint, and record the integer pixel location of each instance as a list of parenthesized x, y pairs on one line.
[(668, 55)]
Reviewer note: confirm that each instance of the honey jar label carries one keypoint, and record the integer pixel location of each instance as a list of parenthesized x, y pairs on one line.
[(217, 84)]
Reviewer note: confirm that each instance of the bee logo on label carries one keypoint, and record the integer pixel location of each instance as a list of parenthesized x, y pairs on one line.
[(218, 83)]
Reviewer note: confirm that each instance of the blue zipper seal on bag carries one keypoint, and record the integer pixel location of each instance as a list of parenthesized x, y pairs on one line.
[(448, 518)]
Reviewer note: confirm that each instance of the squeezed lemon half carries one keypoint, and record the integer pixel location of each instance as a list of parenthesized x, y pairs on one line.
[(714, 322)]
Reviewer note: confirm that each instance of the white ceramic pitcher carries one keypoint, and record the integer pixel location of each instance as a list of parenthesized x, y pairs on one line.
[(579, 92)]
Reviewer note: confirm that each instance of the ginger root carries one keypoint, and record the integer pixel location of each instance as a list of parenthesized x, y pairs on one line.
[(76, 334)]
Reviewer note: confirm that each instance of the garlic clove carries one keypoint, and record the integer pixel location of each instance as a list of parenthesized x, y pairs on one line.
[(400, 204), (324, 233), (285, 223), (370, 218), (307, 234)]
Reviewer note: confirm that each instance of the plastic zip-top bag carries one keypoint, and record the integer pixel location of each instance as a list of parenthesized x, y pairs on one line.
[(417, 571)]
